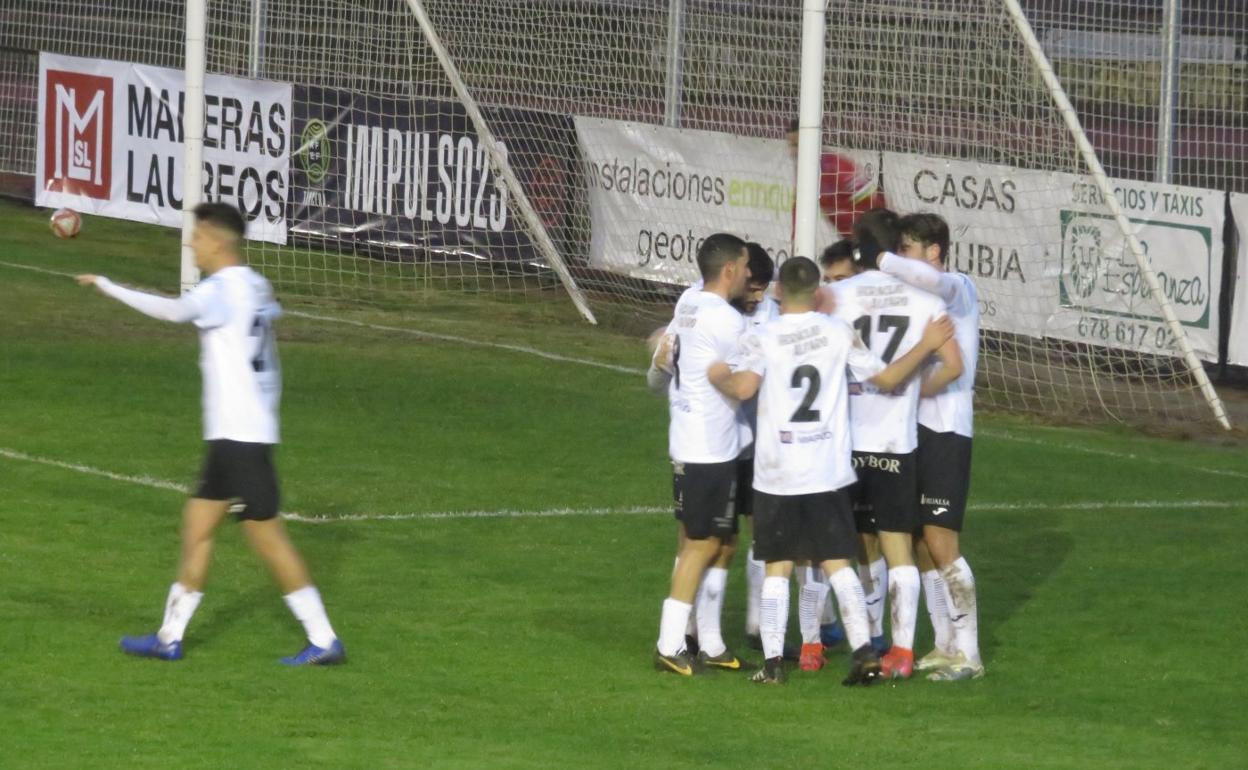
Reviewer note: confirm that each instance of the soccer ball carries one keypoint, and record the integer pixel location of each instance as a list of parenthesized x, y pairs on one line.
[(65, 223), (847, 190)]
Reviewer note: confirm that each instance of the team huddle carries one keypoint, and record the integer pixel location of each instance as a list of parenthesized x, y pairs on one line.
[(840, 420)]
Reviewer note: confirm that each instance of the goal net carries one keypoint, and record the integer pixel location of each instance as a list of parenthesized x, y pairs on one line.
[(554, 149)]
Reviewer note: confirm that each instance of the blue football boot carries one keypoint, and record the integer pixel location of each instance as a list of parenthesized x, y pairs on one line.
[(150, 646), (318, 656)]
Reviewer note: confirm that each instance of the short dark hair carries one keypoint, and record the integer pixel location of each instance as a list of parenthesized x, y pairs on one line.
[(717, 251), (794, 125), (762, 269), (222, 215), (798, 277), (876, 231), (927, 229), (838, 252)]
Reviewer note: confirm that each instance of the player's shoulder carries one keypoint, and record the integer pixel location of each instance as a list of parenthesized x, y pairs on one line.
[(967, 291)]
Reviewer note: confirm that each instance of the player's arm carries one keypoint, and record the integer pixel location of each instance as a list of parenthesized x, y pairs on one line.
[(659, 375), (740, 385), (951, 368), (921, 275), (184, 309), (742, 379), (937, 332)]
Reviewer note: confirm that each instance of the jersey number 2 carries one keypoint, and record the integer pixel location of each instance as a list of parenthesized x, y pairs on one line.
[(263, 361), (808, 376)]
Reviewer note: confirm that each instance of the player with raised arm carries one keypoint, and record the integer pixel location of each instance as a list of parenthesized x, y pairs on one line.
[(234, 310), (889, 315), (704, 440), (946, 419), (803, 466)]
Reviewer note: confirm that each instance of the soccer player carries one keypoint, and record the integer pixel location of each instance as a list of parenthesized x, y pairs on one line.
[(837, 261), (889, 315), (946, 417), (704, 441), (803, 468), (233, 309), (758, 308)]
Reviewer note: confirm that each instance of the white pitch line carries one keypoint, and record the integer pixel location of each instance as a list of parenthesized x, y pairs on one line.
[(420, 333), (143, 481), (548, 513), (154, 483), (632, 371), (34, 269), (1110, 453), (470, 341)]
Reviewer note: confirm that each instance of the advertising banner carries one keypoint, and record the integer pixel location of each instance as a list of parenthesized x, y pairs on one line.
[(1049, 261), (111, 142), (409, 178), (1237, 347), (655, 193)]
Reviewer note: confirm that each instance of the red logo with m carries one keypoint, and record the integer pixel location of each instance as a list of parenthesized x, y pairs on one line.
[(78, 134)]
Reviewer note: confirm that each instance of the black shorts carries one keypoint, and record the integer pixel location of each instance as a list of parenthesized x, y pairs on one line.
[(886, 496), (944, 470), (815, 527), (241, 472), (703, 495), (743, 495)]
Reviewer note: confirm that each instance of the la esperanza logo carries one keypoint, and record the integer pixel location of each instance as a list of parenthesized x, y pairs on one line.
[(78, 134)]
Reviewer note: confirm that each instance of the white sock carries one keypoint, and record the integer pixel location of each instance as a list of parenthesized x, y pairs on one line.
[(709, 609), (903, 599), (691, 625), (813, 596), (774, 615), (963, 608), (827, 613), (672, 626), (307, 607), (934, 596), (853, 601), (755, 571), (875, 584), (179, 608)]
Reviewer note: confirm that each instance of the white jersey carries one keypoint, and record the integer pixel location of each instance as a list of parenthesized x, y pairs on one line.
[(952, 410), (238, 356), (767, 311), (234, 310), (803, 444), (704, 425), (890, 316)]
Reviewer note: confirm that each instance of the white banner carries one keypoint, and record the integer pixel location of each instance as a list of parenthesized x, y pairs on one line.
[(655, 193), (1050, 262), (111, 143), (1237, 346)]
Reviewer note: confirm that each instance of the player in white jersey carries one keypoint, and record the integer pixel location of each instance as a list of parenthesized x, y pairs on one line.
[(704, 440), (803, 465), (234, 310), (946, 417), (837, 262), (889, 315), (758, 308)]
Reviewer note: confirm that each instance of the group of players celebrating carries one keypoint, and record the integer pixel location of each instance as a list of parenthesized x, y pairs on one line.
[(841, 419)]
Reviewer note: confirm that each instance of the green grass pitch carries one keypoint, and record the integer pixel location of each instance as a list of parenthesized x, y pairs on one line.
[(1112, 567)]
